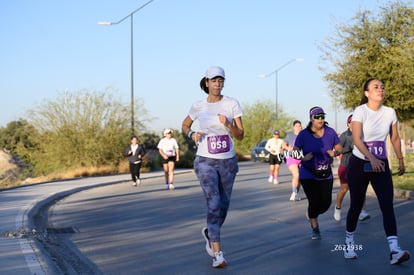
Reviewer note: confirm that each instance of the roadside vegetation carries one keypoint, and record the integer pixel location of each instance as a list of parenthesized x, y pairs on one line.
[(405, 181)]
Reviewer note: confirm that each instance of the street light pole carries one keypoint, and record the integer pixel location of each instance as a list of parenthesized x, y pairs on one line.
[(108, 23), (132, 77), (276, 72)]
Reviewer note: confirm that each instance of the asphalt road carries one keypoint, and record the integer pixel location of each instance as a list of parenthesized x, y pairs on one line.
[(120, 229)]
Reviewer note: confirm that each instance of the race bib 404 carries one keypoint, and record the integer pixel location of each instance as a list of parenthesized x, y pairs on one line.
[(218, 144), (377, 149)]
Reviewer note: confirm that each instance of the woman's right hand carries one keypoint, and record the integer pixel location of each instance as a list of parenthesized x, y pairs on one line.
[(308, 156), (377, 165), (197, 136)]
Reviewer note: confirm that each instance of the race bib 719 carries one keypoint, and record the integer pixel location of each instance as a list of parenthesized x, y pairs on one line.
[(377, 149)]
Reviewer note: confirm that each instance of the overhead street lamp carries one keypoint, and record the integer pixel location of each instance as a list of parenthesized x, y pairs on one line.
[(275, 72), (108, 23)]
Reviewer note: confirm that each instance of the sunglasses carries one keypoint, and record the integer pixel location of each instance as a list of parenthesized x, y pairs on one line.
[(320, 116)]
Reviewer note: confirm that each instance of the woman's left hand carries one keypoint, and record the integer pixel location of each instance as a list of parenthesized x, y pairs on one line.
[(401, 167)]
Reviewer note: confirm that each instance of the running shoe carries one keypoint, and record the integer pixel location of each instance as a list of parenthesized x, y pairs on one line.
[(218, 260), (364, 215), (138, 181), (171, 186), (209, 249), (349, 251), (293, 196), (398, 256), (316, 234), (134, 183), (270, 179), (337, 214), (297, 197), (167, 186), (275, 181)]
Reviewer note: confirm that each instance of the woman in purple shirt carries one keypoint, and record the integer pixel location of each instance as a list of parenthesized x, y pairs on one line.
[(316, 146)]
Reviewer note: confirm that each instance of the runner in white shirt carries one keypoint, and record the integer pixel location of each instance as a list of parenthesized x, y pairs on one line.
[(216, 166), (274, 147), (168, 149), (371, 124)]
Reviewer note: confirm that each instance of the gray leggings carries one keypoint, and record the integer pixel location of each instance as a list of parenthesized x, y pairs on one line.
[(358, 181), (216, 178)]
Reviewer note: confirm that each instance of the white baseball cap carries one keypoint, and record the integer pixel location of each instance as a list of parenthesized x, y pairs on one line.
[(215, 71), (167, 131)]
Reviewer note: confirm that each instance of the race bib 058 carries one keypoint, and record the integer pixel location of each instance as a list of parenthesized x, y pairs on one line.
[(218, 144)]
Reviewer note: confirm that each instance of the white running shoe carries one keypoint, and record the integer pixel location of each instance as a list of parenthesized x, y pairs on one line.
[(171, 186), (275, 181), (138, 181), (349, 251), (218, 260), (293, 196), (134, 183), (270, 179), (364, 215), (398, 256), (297, 197), (167, 186), (337, 214), (209, 249)]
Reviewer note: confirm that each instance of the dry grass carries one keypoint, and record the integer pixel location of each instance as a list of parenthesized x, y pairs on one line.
[(8, 170), (81, 172), (5, 163), (76, 173)]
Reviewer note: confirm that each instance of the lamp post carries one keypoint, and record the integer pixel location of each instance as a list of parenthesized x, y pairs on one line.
[(276, 72), (109, 23)]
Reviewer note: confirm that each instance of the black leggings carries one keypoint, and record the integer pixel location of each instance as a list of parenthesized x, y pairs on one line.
[(358, 181), (319, 194), (135, 168)]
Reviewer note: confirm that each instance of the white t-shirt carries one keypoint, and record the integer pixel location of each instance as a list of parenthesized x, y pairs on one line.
[(376, 126), (274, 144), (216, 141), (168, 146), (134, 148)]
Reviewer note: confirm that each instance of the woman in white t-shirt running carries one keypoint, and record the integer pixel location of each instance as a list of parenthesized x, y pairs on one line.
[(169, 151), (274, 147), (371, 123), (215, 165)]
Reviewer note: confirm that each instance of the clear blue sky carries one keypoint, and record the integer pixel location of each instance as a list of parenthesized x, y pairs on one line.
[(51, 46)]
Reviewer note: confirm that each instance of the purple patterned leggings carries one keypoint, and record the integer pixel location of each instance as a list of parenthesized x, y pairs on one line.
[(216, 178)]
